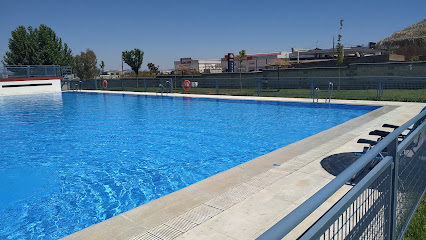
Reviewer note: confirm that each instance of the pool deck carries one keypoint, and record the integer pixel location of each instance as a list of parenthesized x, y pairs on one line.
[(244, 201)]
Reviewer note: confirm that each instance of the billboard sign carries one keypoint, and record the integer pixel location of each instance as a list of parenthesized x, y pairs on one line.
[(230, 62), (185, 60)]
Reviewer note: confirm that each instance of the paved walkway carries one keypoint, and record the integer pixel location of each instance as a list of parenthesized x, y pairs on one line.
[(243, 202)]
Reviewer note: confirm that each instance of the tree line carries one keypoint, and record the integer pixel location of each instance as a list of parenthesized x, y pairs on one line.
[(41, 46)]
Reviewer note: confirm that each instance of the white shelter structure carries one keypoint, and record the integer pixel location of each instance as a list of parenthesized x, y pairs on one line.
[(200, 65), (253, 62)]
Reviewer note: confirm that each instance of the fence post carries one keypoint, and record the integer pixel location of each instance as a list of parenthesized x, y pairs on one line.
[(171, 85), (312, 88), (258, 87), (96, 84), (392, 151), (144, 83), (183, 91), (217, 87), (379, 88), (122, 84)]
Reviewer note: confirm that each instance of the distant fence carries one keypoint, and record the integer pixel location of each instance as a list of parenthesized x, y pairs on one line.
[(365, 87), (380, 205), (30, 71)]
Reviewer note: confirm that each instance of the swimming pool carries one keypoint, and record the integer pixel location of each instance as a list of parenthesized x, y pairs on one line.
[(71, 160)]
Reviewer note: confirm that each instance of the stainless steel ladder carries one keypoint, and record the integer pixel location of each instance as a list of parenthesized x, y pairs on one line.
[(329, 92), (316, 93)]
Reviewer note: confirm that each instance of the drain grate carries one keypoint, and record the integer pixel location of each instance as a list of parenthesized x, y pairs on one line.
[(195, 216), (233, 196), (165, 232), (146, 236), (180, 224), (266, 179)]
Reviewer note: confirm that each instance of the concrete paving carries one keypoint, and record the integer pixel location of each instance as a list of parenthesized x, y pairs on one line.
[(243, 202)]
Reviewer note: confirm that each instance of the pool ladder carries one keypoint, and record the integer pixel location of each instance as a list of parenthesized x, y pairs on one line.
[(329, 92), (161, 88), (316, 93)]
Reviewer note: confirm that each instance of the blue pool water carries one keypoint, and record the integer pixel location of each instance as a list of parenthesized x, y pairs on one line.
[(71, 160)]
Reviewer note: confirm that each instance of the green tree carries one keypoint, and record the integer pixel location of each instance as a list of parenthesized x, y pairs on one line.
[(340, 53), (37, 47), (240, 57), (134, 59), (152, 68), (85, 65)]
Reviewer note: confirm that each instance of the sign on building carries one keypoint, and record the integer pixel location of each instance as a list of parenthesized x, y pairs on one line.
[(185, 60), (230, 62)]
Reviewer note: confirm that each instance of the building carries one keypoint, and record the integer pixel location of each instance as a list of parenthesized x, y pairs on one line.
[(253, 62), (111, 74), (198, 65), (298, 54)]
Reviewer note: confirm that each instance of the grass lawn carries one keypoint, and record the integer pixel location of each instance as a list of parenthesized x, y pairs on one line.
[(417, 228), (417, 95)]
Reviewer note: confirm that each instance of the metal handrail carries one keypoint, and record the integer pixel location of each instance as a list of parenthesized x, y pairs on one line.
[(14, 71), (317, 93), (329, 93), (289, 222)]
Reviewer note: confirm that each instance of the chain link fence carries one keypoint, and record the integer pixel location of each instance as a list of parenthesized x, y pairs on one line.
[(368, 88)]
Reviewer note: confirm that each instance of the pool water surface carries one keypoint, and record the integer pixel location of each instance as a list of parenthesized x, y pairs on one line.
[(71, 160)]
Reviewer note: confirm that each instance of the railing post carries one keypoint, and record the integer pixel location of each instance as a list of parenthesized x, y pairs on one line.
[(379, 88), (392, 151), (144, 84), (312, 88), (183, 91), (217, 86), (171, 85), (96, 84), (122, 84), (258, 87)]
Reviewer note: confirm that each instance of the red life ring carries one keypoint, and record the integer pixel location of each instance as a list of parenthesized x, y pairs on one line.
[(186, 85), (105, 84)]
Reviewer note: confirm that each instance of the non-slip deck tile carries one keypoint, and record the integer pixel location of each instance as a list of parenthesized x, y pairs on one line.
[(165, 232)]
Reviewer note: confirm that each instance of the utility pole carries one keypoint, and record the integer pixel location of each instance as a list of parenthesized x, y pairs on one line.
[(333, 47)]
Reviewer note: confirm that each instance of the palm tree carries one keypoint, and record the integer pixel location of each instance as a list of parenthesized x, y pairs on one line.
[(240, 57)]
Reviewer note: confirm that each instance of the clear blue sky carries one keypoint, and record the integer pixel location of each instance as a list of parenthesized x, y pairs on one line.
[(169, 30)]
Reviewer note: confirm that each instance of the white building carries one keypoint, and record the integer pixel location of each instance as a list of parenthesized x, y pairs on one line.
[(111, 74), (298, 54), (253, 62), (200, 65)]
